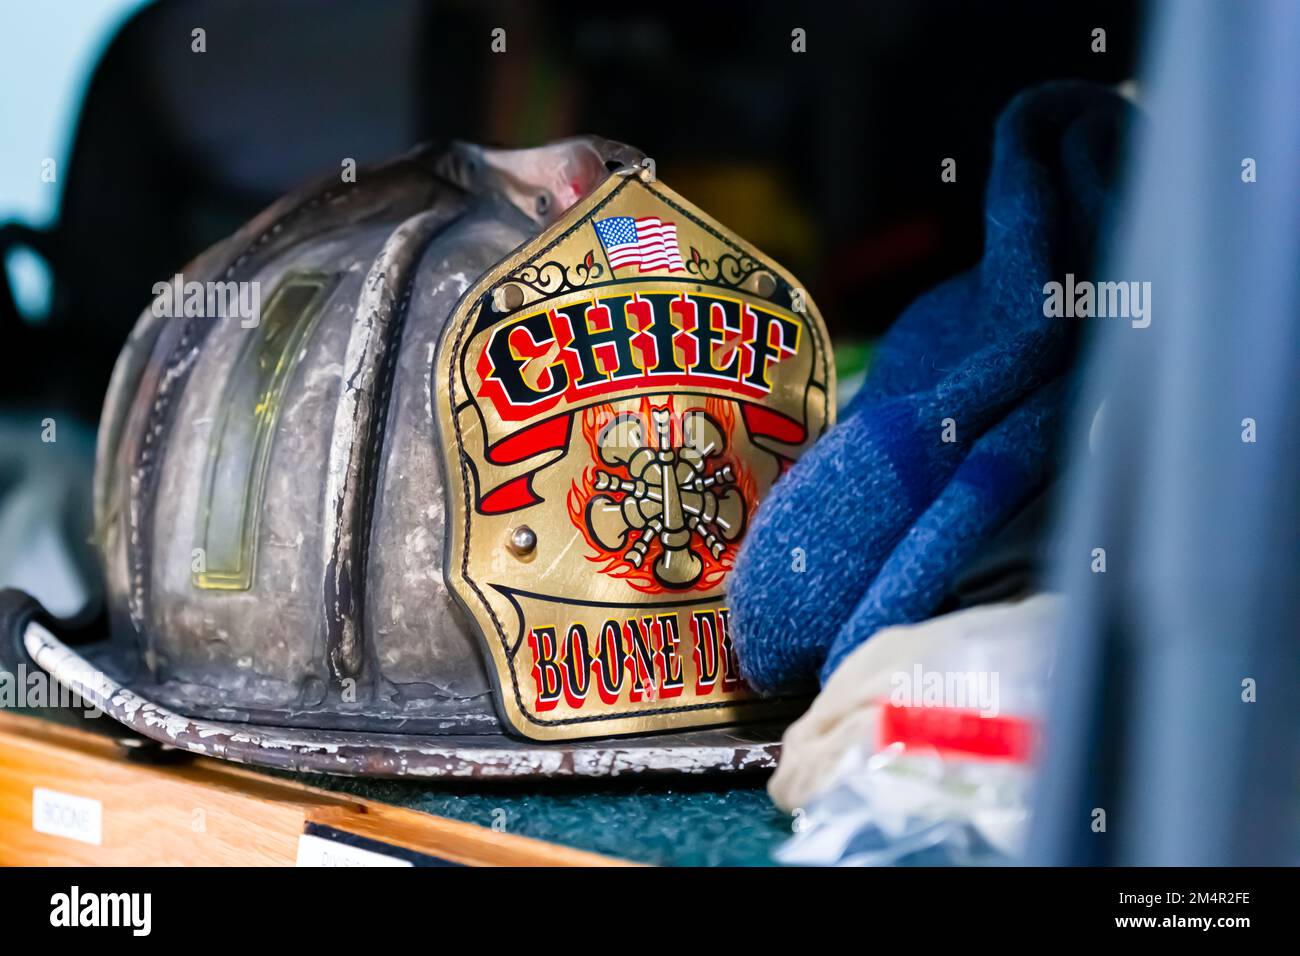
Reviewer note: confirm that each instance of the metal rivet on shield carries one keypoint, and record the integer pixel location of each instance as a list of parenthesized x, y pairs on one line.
[(507, 297), (762, 283), (523, 540)]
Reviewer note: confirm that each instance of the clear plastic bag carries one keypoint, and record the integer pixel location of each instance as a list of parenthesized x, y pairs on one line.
[(946, 761), (904, 806)]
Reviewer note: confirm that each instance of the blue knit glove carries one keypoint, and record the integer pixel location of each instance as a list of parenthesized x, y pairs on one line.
[(871, 526)]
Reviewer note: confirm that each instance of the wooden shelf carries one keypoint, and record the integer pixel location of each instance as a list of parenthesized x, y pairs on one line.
[(204, 812)]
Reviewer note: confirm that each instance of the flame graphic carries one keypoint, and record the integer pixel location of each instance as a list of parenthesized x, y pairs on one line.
[(613, 563)]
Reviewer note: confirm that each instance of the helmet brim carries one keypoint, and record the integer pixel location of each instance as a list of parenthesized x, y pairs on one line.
[(751, 748)]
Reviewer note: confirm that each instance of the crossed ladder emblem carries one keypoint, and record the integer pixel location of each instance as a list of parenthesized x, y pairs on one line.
[(670, 494)]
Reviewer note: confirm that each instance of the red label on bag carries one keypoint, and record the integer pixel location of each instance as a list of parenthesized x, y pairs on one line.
[(964, 733)]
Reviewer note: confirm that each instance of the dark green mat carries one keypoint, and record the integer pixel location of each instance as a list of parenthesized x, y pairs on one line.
[(700, 824)]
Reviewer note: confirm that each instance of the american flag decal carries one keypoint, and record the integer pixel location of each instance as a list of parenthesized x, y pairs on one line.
[(648, 243)]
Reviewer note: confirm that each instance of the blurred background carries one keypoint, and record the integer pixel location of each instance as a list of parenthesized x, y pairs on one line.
[(829, 161)]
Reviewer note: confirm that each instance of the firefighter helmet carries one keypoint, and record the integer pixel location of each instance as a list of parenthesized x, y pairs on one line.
[(441, 472)]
